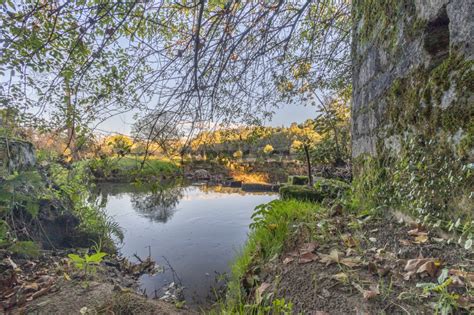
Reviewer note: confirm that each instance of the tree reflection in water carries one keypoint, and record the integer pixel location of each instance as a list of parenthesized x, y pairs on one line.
[(156, 202), (158, 205)]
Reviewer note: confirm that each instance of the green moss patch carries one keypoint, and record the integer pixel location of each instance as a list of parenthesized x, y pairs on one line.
[(298, 192), (323, 189)]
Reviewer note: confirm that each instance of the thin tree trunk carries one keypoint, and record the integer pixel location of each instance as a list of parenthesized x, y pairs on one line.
[(308, 163), (70, 122), (338, 161)]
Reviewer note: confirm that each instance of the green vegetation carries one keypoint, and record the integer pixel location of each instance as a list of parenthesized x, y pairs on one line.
[(447, 301), (88, 263), (419, 169), (331, 188), (20, 196), (322, 189), (298, 192), (63, 193), (272, 227), (131, 168), (74, 184)]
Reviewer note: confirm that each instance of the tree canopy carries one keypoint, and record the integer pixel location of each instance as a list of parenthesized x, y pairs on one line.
[(78, 62)]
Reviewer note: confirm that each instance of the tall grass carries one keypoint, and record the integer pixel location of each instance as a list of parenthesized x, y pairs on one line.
[(272, 227)]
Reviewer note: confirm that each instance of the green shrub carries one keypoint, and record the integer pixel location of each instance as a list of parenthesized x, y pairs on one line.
[(297, 180)]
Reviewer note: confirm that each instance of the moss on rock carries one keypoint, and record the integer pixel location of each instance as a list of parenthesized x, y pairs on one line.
[(323, 189)]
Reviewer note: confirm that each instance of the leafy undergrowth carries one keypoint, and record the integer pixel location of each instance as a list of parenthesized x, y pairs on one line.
[(304, 258)]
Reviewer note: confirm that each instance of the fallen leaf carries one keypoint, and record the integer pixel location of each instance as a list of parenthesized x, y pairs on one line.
[(428, 267), (333, 257), (414, 264), (350, 251), (351, 261), (421, 239), (348, 240), (30, 287), (466, 302), (293, 253), (67, 277), (466, 276), (288, 260), (307, 258), (308, 247), (405, 242), (421, 265), (369, 294), (417, 232), (372, 239), (260, 290), (421, 236)]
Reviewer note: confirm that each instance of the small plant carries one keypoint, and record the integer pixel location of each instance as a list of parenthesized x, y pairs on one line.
[(87, 263), (447, 301), (278, 306), (259, 216), (281, 307)]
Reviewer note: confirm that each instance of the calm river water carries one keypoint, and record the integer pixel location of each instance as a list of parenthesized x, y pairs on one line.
[(198, 229)]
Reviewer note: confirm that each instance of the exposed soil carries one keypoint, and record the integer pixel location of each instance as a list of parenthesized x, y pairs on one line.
[(369, 273), (50, 284)]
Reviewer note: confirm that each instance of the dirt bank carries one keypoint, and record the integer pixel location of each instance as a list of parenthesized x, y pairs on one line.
[(50, 284), (341, 264)]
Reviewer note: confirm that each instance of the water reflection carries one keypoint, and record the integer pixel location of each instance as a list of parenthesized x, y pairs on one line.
[(159, 205), (198, 229), (156, 202)]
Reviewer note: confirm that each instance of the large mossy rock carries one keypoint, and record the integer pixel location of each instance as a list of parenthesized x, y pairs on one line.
[(259, 187), (15, 155), (412, 110), (322, 189), (331, 188)]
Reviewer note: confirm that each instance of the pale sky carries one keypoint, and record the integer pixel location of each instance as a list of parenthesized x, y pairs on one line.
[(284, 116)]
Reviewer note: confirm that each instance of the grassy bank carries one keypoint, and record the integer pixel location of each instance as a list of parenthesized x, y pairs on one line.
[(273, 228), (305, 257), (130, 168)]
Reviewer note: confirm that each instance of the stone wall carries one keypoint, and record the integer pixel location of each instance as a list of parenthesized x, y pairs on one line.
[(15, 155), (413, 104)]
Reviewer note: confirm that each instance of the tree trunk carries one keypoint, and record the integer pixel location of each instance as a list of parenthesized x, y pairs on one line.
[(70, 121), (308, 163)]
